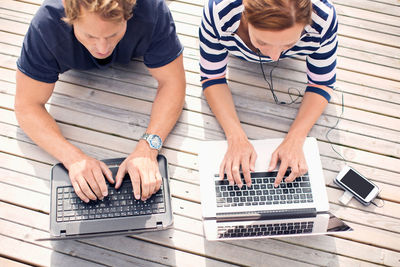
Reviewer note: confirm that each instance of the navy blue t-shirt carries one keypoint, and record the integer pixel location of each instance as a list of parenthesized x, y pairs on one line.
[(50, 46)]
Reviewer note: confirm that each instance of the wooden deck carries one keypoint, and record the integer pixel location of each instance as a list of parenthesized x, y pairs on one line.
[(105, 112)]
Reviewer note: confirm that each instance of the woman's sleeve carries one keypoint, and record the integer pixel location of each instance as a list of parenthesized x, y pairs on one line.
[(213, 55), (321, 65)]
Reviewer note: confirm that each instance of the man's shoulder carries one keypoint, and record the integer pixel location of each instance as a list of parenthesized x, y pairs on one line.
[(48, 21), (149, 11)]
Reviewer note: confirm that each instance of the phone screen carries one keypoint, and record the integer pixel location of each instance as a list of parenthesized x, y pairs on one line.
[(357, 183)]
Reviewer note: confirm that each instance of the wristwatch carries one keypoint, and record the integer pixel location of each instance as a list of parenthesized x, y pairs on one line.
[(154, 140)]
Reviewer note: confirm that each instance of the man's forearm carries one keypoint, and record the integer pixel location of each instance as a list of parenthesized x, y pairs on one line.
[(43, 130), (166, 109)]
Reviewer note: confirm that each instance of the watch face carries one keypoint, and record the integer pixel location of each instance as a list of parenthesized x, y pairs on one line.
[(155, 141)]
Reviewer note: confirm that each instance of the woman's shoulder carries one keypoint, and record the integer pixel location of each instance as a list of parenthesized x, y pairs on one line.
[(324, 16), (223, 7)]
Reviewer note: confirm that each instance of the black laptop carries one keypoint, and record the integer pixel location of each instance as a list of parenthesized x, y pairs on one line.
[(118, 213)]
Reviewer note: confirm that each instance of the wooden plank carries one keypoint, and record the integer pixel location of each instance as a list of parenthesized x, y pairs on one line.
[(373, 6), (37, 255), (11, 263), (70, 247), (358, 13), (371, 48)]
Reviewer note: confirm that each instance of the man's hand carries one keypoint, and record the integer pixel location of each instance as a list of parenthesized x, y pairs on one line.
[(87, 178), (142, 167), (240, 153), (290, 153)]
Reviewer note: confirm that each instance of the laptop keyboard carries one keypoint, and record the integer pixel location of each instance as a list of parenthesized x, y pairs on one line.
[(265, 229), (263, 192), (118, 203)]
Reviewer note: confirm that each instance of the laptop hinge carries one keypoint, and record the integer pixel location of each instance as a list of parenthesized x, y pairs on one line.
[(267, 214), (159, 226)]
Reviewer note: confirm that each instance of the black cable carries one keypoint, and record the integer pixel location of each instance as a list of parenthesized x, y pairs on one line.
[(334, 127), (271, 84)]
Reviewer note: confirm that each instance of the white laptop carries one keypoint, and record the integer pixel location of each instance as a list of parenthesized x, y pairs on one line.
[(291, 209)]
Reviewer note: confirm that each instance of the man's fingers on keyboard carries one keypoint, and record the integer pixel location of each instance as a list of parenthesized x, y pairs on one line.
[(107, 172), (152, 183), (120, 175), (135, 178), (92, 181), (158, 181), (79, 192), (98, 175), (85, 188)]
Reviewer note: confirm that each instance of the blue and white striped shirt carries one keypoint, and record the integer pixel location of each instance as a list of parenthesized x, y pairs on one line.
[(217, 34)]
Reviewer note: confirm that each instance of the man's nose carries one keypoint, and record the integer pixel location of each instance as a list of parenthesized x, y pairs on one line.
[(102, 46)]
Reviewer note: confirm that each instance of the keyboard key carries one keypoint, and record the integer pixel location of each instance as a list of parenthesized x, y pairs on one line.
[(305, 184)]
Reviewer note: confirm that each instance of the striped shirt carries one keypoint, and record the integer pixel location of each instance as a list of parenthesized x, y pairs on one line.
[(217, 34)]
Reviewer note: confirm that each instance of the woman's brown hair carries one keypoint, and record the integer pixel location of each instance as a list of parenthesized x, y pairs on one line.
[(113, 10), (276, 15)]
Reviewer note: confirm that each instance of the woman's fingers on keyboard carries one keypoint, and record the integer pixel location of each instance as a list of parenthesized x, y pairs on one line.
[(246, 172), (282, 170), (236, 172), (293, 174)]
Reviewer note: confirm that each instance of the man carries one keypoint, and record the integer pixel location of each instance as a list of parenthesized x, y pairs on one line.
[(85, 34)]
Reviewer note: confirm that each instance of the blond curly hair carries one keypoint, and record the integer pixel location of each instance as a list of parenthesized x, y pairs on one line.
[(112, 10)]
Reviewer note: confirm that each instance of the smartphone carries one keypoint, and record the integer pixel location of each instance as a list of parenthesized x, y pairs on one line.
[(361, 188)]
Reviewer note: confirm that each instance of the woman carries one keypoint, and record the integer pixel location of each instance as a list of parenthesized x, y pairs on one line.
[(265, 31)]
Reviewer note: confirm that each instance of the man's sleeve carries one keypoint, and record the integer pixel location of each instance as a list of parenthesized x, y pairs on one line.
[(165, 46), (36, 60), (213, 55), (321, 65)]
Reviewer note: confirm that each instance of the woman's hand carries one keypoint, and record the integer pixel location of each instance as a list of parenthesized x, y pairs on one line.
[(290, 154), (240, 153)]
